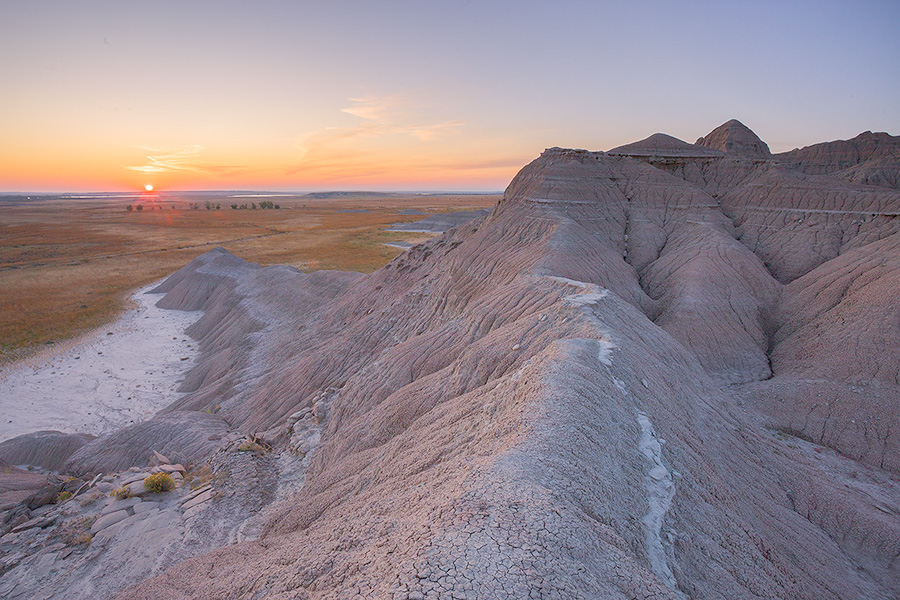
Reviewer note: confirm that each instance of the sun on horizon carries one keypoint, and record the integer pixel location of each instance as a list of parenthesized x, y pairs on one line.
[(148, 187)]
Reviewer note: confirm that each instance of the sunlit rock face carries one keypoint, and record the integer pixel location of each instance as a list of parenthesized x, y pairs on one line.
[(666, 371)]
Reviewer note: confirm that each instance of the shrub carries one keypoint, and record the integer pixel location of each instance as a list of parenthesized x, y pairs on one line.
[(121, 493), (198, 476), (159, 482), (74, 532), (62, 497), (253, 447)]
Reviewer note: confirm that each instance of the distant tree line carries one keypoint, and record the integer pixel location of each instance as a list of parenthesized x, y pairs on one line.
[(207, 206), (210, 206), (254, 206), (192, 206)]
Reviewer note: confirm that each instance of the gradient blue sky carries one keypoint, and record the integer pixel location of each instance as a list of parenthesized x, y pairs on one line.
[(415, 95)]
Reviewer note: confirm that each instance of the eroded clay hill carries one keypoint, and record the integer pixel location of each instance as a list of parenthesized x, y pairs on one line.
[(665, 371)]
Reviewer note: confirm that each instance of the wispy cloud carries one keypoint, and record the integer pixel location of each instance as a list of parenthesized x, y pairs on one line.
[(373, 108), (394, 115), (383, 118), (509, 162), (161, 161)]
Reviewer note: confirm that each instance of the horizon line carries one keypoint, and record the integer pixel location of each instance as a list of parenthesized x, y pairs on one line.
[(248, 191)]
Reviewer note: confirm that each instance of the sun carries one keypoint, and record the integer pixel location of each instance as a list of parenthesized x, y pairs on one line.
[(148, 187)]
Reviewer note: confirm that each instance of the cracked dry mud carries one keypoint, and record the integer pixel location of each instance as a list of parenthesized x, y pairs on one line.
[(665, 371)]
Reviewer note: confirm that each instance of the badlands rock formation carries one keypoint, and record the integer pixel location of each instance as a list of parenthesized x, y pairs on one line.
[(869, 158), (665, 371)]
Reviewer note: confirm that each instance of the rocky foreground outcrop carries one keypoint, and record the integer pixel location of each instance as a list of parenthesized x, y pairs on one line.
[(666, 371)]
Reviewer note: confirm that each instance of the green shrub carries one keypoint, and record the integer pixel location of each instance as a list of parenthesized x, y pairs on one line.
[(159, 482), (62, 497)]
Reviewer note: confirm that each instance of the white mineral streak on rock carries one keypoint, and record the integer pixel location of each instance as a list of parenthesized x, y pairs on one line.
[(660, 491), (555, 201), (605, 348), (593, 292)]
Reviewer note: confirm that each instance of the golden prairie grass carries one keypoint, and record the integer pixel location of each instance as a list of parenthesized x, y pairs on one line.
[(67, 267)]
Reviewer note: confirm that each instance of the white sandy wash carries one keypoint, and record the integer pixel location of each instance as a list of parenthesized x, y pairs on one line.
[(115, 376)]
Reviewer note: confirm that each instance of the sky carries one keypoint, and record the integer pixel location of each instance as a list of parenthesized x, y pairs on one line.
[(415, 95)]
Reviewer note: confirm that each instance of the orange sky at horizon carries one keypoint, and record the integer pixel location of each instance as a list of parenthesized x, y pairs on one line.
[(405, 95), (108, 171), (375, 143)]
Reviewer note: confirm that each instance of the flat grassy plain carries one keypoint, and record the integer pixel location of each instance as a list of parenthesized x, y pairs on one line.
[(68, 264)]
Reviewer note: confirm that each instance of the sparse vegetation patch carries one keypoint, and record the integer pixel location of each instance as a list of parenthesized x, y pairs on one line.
[(121, 493), (159, 482)]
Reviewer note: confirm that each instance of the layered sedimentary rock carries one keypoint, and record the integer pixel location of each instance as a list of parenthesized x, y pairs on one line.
[(869, 158), (666, 371), (663, 145)]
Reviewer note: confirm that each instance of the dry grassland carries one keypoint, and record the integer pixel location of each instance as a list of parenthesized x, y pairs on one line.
[(67, 266)]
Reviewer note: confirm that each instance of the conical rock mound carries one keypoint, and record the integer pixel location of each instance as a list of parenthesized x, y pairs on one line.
[(735, 139)]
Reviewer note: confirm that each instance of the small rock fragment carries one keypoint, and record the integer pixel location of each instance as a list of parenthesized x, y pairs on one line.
[(162, 460)]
